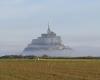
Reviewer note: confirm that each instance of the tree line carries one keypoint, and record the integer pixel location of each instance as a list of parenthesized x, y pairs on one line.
[(44, 57)]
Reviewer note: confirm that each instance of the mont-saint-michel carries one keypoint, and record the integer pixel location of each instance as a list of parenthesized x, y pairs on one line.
[(47, 44)]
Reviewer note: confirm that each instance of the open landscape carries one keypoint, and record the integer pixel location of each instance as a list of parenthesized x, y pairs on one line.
[(49, 40), (49, 69)]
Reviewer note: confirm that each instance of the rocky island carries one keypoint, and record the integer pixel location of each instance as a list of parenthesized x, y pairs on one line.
[(46, 44)]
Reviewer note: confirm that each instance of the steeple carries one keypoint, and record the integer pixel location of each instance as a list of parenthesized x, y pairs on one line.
[(48, 31)]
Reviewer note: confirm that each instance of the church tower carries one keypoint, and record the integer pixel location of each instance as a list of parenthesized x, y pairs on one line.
[(48, 31)]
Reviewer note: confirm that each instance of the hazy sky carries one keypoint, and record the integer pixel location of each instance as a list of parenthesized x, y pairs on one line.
[(77, 21)]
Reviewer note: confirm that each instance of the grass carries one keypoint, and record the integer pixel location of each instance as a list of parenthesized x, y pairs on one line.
[(50, 70)]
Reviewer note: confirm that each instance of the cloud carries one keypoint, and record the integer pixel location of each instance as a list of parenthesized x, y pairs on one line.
[(18, 9), (11, 2), (57, 8)]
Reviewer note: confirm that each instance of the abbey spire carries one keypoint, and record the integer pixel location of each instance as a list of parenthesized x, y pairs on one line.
[(48, 31)]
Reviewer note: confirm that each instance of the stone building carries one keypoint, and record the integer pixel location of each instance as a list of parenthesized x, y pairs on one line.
[(47, 42)]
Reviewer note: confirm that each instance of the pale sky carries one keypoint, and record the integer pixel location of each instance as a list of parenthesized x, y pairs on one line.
[(76, 21)]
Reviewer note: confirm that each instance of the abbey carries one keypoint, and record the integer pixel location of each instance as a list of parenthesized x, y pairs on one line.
[(48, 41)]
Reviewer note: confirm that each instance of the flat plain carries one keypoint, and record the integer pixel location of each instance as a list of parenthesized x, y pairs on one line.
[(14, 69)]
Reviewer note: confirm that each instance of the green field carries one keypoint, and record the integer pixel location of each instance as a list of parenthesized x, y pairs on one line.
[(50, 70)]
